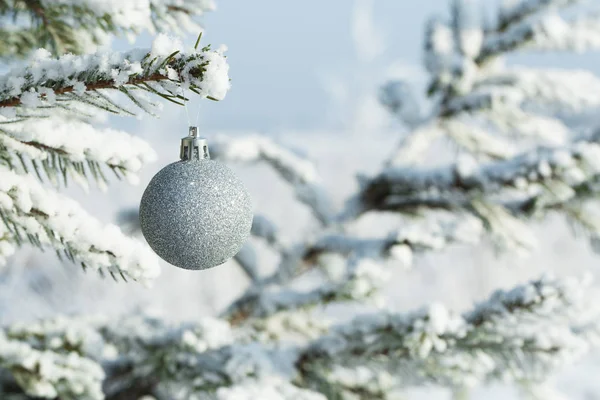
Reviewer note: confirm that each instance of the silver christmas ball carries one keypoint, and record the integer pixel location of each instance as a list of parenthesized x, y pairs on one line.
[(195, 213)]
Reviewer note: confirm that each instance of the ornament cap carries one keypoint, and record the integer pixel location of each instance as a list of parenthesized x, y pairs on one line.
[(194, 147)]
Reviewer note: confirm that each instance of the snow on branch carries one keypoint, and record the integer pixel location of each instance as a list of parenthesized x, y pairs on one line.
[(484, 98), (477, 103), (514, 12), (506, 100), (41, 216), (400, 245), (72, 148), (476, 140), (448, 187), (199, 360), (196, 360), (129, 349), (48, 82), (555, 33), (298, 171), (48, 374), (554, 89), (521, 334), (358, 258), (502, 194), (465, 135), (144, 14), (361, 281), (513, 121), (461, 130), (550, 32), (73, 26)]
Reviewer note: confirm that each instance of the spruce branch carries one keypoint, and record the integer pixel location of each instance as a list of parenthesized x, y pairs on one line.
[(435, 345), (48, 374), (17, 43), (48, 82), (517, 12), (48, 144), (468, 88), (44, 218), (456, 186), (361, 281), (503, 194), (72, 26), (507, 98), (549, 32), (500, 339), (356, 257)]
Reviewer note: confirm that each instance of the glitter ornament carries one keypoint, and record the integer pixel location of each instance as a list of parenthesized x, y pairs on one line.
[(195, 213)]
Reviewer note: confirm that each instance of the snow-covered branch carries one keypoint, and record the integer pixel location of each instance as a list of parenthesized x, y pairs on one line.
[(36, 214), (357, 258), (506, 100), (551, 32), (476, 140), (514, 12), (503, 194), (73, 26), (514, 122), (49, 374), (133, 351), (453, 187), (298, 171), (555, 90), (49, 145), (145, 356), (360, 280), (403, 243), (520, 334), (456, 126), (500, 339), (49, 82)]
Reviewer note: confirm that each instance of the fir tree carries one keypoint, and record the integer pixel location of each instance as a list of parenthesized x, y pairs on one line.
[(520, 156)]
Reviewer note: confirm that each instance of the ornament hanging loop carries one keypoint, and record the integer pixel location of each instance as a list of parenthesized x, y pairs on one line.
[(193, 147)]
